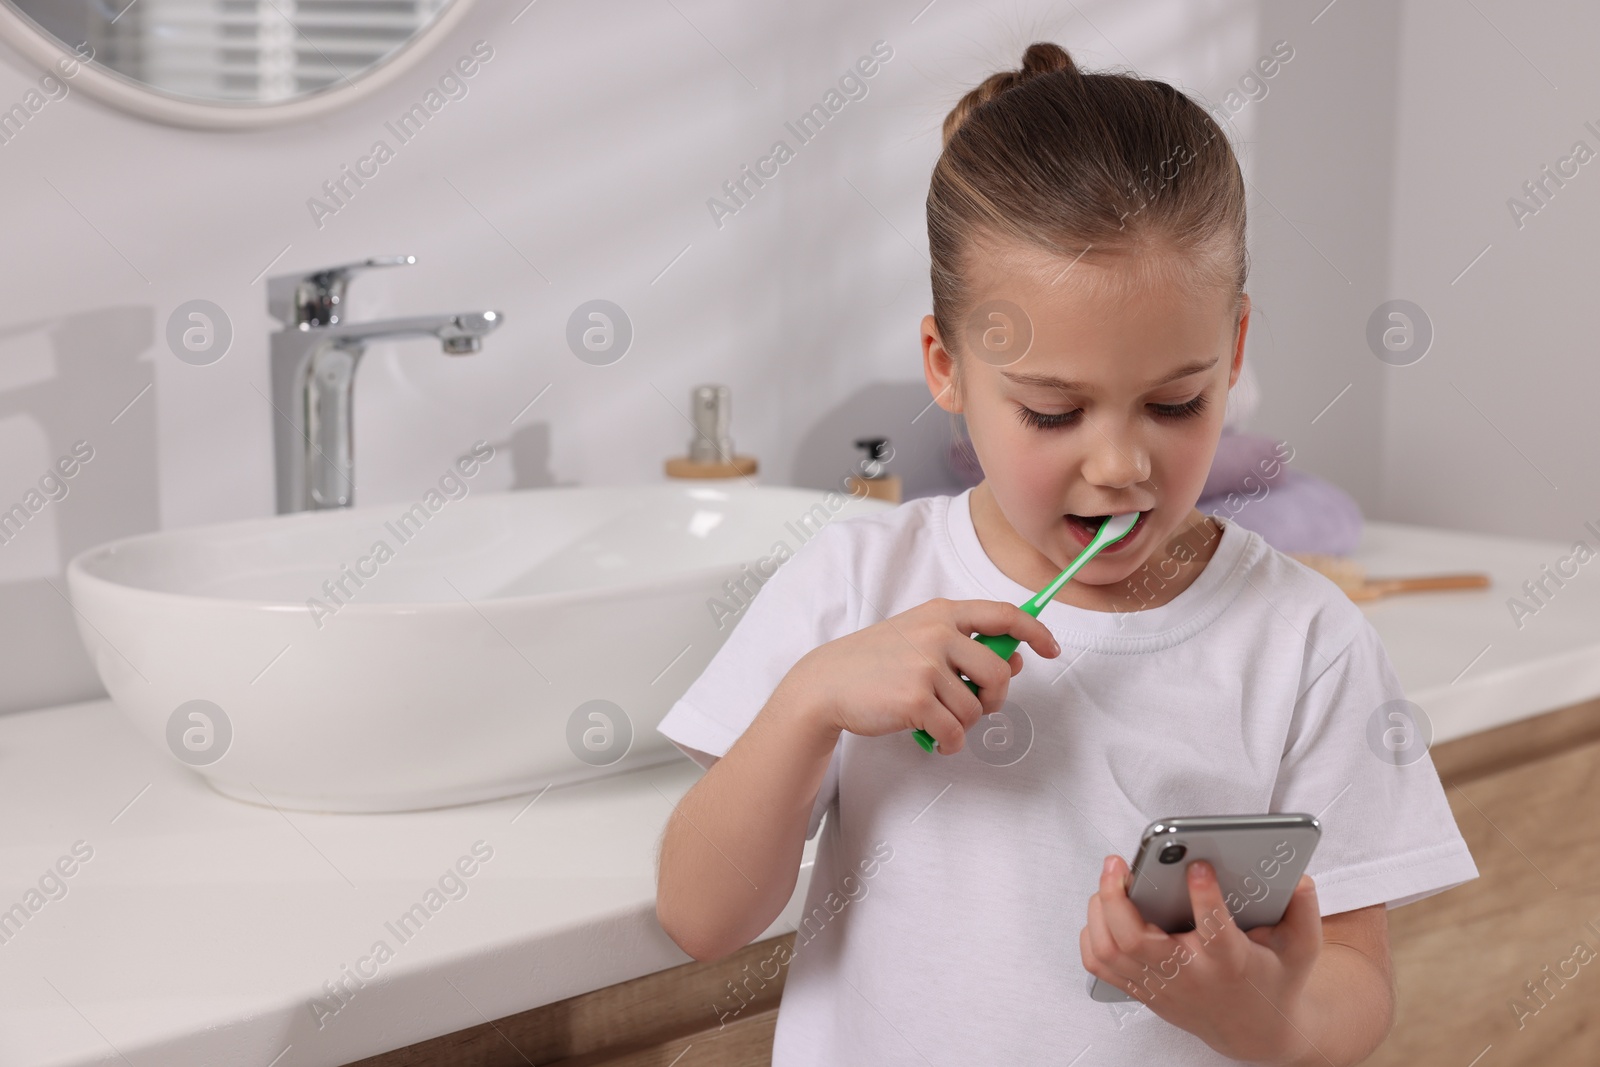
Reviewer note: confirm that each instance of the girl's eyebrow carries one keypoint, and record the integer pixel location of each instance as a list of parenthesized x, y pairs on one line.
[(1050, 381)]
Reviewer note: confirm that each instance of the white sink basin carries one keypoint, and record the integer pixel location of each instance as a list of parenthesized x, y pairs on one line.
[(507, 641)]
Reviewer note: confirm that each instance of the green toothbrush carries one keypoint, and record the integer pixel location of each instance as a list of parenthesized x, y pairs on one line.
[(1114, 529)]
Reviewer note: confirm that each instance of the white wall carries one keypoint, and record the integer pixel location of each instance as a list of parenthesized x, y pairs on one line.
[(1495, 428), (1321, 196), (579, 165)]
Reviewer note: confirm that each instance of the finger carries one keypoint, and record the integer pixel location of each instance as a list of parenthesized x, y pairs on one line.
[(1103, 945), (950, 710), (979, 662), (1213, 921), (1126, 925), (1103, 959), (962, 703), (997, 617)]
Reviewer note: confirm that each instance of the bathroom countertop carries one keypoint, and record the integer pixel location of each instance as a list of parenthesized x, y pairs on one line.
[(201, 930), (1463, 655)]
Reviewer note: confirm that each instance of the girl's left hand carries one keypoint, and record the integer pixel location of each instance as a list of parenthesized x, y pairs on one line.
[(1238, 991)]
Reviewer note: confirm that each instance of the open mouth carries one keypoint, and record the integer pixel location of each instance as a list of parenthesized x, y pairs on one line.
[(1085, 527)]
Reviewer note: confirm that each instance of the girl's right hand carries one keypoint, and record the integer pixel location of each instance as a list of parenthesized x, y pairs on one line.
[(901, 673)]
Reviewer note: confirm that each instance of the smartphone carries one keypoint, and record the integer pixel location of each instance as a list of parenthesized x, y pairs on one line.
[(1258, 860)]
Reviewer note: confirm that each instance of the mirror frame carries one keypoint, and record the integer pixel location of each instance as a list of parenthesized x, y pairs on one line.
[(134, 98)]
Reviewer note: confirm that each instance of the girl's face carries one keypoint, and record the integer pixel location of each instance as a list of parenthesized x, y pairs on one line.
[(1114, 405)]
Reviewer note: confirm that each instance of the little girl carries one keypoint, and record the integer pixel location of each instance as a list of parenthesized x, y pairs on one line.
[(1089, 316)]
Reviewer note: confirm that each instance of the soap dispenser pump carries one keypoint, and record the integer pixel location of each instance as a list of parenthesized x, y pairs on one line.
[(711, 449), (874, 482)]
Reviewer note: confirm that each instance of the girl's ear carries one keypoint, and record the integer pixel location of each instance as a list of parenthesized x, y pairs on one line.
[(1238, 342), (939, 367)]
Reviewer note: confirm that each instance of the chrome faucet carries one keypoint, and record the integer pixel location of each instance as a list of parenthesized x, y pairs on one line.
[(314, 360)]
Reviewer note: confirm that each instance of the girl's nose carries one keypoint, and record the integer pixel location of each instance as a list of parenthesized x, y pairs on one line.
[(1116, 459)]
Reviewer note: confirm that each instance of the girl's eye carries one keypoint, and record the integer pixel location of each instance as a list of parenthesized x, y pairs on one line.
[(1040, 421), (1187, 410)]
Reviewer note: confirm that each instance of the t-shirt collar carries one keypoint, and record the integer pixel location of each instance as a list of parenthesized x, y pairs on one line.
[(1185, 614)]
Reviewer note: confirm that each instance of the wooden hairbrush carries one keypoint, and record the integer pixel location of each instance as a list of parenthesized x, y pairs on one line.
[(1351, 577)]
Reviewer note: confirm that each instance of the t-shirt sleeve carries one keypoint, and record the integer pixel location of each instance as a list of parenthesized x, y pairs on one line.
[(1356, 757), (805, 603)]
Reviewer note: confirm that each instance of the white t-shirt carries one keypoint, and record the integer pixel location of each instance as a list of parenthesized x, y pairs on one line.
[(942, 918)]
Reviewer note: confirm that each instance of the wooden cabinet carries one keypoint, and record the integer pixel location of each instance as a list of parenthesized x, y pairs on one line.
[(1527, 799), (648, 1022)]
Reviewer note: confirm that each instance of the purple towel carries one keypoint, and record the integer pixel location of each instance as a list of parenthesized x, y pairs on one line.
[(1244, 462), (1297, 512)]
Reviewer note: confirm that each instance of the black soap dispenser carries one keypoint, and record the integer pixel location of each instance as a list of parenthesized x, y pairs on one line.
[(873, 480)]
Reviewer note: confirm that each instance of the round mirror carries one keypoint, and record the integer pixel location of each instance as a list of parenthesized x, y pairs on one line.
[(225, 64)]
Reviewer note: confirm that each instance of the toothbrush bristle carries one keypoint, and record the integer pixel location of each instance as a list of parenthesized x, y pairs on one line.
[(1124, 523)]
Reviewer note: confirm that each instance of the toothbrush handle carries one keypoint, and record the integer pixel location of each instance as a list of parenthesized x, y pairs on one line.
[(1002, 645)]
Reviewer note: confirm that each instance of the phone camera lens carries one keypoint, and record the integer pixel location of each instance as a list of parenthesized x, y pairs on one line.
[(1173, 853)]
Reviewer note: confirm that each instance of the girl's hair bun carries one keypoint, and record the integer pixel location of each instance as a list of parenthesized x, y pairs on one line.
[(1041, 57), (1045, 57)]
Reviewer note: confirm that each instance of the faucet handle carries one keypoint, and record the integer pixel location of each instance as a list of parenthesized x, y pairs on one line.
[(315, 299)]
